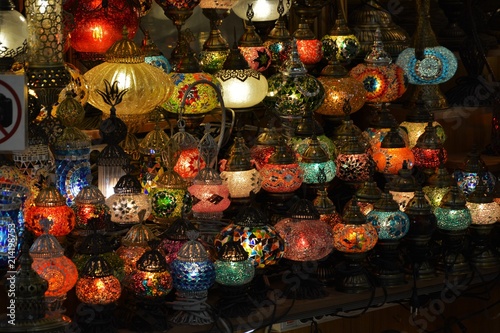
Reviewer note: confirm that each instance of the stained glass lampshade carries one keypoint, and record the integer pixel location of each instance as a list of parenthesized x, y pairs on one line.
[(51, 264), (403, 186), (438, 185), (366, 196), (265, 146), (50, 204), (261, 241), (98, 24), (128, 200), (292, 92), (211, 196), (317, 166), (90, 204), (393, 153), (453, 214), (233, 267), (14, 34), (467, 178), (429, 151), (306, 128), (482, 208), (153, 55), (415, 123), (141, 86), (174, 237), (97, 285), (354, 236), (354, 163)]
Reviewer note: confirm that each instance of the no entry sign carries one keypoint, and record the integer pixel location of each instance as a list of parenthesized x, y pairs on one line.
[(13, 123)]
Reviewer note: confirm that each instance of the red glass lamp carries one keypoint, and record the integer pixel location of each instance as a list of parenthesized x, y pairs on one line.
[(50, 204), (89, 204), (98, 24), (174, 237), (265, 146), (353, 237), (51, 264), (189, 161), (354, 163), (429, 151)]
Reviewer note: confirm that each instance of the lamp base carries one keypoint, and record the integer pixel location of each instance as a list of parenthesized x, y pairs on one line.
[(419, 254), (452, 261), (234, 301), (387, 265), (430, 96), (301, 284), (482, 256), (148, 316), (96, 318), (351, 276), (189, 310), (49, 324)]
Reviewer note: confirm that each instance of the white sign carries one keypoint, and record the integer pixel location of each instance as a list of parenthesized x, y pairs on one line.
[(13, 120)]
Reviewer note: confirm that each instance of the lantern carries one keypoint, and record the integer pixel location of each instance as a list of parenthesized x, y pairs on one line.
[(468, 177), (317, 166), (402, 187), (429, 151), (15, 33), (90, 204), (393, 153)]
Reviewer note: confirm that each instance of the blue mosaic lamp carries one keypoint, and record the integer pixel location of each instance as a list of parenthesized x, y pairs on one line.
[(427, 64), (193, 274), (392, 225), (474, 171)]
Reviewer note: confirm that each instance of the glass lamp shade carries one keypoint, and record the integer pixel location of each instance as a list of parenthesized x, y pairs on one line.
[(210, 195), (261, 241), (233, 268), (14, 32), (474, 172), (390, 222), (281, 178), (50, 204), (189, 163), (264, 10), (437, 65), (110, 164), (201, 98), (212, 61), (98, 26), (354, 234), (96, 284), (307, 238), (393, 153), (482, 208), (243, 88), (265, 146), (258, 57), (130, 255), (153, 55), (134, 244), (10, 240), (192, 271), (315, 163), (300, 144), (416, 129), (354, 164), (51, 264), (428, 151), (453, 214), (338, 90), (128, 201), (375, 136), (403, 186), (146, 86), (340, 44), (174, 237), (242, 183), (90, 204), (310, 51)]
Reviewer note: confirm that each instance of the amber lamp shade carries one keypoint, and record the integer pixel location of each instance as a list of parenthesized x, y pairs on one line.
[(97, 285), (90, 204), (50, 204), (134, 244), (392, 154), (98, 24)]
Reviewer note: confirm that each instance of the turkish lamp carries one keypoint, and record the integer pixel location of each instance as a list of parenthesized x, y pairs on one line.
[(97, 285), (128, 200), (151, 281), (12, 227), (317, 166), (239, 175), (393, 153), (189, 161), (366, 196), (438, 185), (380, 125), (484, 213), (193, 274), (251, 46), (343, 94), (99, 24), (453, 221), (309, 47), (345, 131), (282, 175), (51, 205), (174, 237), (305, 128), (467, 177), (292, 92), (383, 81), (133, 86), (427, 64), (210, 195), (251, 229), (354, 163), (326, 209), (354, 236), (153, 55), (279, 40), (51, 264), (423, 224), (71, 150), (429, 151), (392, 225), (265, 146), (403, 186), (14, 35), (243, 87), (415, 123), (133, 245), (346, 44), (264, 10), (90, 204)]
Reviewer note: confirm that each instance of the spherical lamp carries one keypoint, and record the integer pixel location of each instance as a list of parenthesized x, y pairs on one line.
[(15, 33), (392, 154), (90, 204)]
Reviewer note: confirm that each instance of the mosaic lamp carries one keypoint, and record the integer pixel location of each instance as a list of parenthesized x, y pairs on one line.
[(453, 221), (279, 40), (366, 196), (264, 10), (51, 264), (484, 213), (50, 204), (415, 123), (429, 151), (90, 204), (427, 64), (317, 166), (392, 225), (393, 153), (233, 274), (153, 55), (98, 24), (305, 128), (307, 239), (402, 187), (438, 185), (354, 236), (265, 145), (128, 200), (467, 177), (174, 237), (193, 274), (423, 224)]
